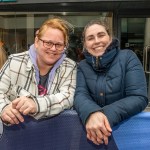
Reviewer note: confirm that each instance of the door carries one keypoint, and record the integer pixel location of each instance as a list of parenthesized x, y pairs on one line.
[(135, 36)]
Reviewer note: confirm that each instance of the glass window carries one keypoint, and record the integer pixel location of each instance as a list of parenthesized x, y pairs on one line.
[(17, 30), (132, 35), (135, 36)]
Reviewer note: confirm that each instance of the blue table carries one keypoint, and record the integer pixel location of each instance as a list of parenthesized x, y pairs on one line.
[(66, 132)]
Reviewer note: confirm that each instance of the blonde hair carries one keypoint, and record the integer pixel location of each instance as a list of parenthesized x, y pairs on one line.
[(56, 23), (3, 56)]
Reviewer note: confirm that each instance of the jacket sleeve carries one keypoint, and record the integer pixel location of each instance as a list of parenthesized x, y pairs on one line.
[(83, 102), (4, 85), (135, 92)]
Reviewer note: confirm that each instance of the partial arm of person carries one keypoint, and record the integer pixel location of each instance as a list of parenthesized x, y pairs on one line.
[(96, 123), (8, 114), (135, 93)]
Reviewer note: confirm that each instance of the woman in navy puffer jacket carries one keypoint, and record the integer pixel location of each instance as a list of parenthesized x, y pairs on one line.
[(111, 84)]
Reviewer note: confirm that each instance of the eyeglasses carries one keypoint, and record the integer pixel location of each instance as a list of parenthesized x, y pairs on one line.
[(49, 44)]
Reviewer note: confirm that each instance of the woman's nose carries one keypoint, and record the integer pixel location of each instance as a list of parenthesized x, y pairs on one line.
[(96, 40), (53, 47)]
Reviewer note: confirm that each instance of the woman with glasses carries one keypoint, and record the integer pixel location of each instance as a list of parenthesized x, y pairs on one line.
[(41, 81), (111, 84)]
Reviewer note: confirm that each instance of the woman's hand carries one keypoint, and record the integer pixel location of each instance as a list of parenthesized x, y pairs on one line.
[(11, 115), (98, 128), (25, 105)]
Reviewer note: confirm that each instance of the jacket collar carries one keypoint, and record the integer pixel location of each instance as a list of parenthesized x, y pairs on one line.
[(102, 63)]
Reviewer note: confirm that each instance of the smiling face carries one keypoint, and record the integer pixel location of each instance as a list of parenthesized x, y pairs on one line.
[(51, 41), (96, 39), (48, 56)]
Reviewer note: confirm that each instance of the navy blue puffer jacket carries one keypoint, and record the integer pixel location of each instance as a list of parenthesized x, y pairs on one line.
[(113, 83)]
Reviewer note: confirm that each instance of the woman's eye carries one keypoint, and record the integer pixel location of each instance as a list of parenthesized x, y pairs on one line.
[(90, 38), (58, 45), (49, 43), (101, 35)]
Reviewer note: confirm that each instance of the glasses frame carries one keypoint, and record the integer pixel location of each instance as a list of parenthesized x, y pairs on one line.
[(58, 46)]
